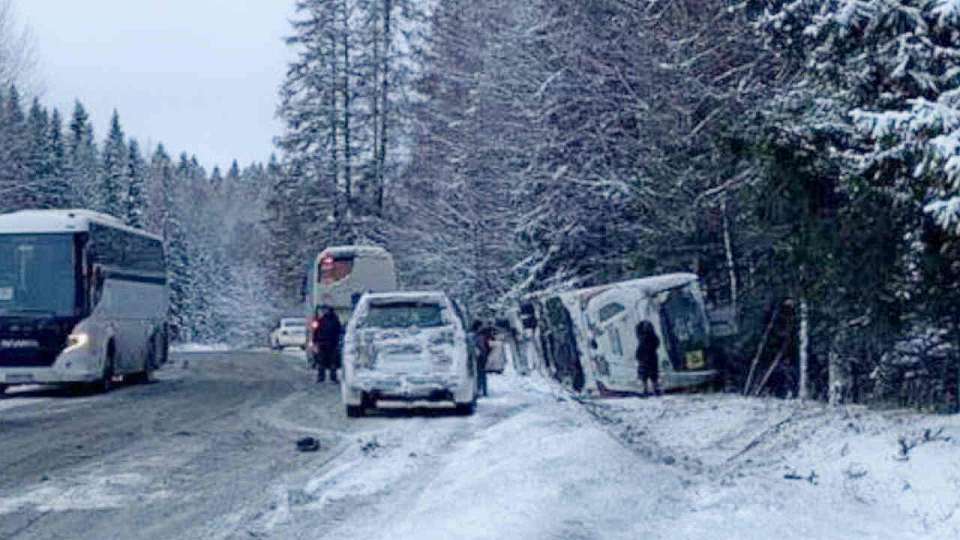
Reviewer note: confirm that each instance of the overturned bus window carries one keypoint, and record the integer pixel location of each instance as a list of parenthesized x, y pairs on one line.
[(686, 330)]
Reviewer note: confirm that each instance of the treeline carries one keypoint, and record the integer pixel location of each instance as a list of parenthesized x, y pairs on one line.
[(212, 223), (801, 155)]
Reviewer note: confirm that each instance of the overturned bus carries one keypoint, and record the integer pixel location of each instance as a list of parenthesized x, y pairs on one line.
[(586, 338)]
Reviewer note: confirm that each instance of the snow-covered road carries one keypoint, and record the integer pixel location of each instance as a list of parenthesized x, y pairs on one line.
[(208, 452)]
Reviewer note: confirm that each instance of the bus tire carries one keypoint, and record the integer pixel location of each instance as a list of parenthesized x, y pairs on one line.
[(105, 384), (164, 347), (149, 364), (355, 411)]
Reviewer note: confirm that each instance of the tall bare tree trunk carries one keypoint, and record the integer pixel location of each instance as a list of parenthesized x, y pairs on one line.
[(731, 267), (347, 103), (838, 373), (385, 103), (804, 391), (334, 119)]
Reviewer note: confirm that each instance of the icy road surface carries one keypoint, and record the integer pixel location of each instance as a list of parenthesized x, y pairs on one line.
[(209, 452)]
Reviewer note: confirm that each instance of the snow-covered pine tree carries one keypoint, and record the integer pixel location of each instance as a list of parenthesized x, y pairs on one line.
[(57, 188), (38, 155), (135, 201), (82, 162), (15, 185), (114, 182), (175, 244)]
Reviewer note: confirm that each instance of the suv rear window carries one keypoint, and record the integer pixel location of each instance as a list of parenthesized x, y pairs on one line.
[(404, 315)]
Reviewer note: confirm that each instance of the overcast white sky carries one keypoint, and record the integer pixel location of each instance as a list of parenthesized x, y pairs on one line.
[(201, 76)]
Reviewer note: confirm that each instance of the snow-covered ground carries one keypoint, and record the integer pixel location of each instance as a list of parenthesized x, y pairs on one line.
[(199, 348), (832, 473), (211, 454), (535, 463), (530, 464)]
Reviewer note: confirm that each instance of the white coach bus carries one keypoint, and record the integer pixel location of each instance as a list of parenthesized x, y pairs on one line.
[(83, 300), (341, 275)]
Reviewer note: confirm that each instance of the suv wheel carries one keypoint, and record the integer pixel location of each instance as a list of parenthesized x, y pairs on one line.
[(467, 409)]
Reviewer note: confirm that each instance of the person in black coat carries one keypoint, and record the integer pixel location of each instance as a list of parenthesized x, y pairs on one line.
[(648, 364), (481, 342), (326, 343)]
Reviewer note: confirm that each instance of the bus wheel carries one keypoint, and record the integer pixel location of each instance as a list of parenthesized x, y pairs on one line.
[(105, 384), (149, 363)]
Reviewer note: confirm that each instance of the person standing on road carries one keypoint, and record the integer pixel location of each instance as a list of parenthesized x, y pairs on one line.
[(481, 344), (648, 365), (326, 343)]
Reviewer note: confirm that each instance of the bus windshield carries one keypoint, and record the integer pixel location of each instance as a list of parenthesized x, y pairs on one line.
[(37, 274)]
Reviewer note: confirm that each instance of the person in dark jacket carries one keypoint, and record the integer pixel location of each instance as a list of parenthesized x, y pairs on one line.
[(648, 365), (481, 344), (326, 344)]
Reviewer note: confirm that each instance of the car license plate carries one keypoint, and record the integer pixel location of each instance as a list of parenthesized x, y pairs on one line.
[(20, 378)]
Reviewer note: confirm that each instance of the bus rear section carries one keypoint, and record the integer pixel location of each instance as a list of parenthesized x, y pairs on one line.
[(341, 275), (83, 299)]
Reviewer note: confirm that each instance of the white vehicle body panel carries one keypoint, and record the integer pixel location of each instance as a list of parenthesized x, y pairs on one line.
[(407, 366), (291, 333)]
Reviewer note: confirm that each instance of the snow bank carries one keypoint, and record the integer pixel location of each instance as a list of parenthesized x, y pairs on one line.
[(199, 348), (897, 468)]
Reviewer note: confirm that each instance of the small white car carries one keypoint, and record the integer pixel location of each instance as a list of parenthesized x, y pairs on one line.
[(407, 350), (290, 333)]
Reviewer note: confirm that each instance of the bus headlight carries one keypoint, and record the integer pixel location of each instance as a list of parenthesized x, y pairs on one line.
[(77, 341)]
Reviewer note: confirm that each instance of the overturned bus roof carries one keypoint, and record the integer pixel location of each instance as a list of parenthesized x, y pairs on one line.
[(648, 285)]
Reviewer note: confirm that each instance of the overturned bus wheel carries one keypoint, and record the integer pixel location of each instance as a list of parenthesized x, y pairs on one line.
[(354, 411)]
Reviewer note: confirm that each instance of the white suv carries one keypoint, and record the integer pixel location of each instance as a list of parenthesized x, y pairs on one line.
[(407, 350), (290, 333)]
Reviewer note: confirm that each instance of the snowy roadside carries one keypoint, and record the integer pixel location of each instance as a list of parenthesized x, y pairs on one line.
[(199, 348), (898, 468), (530, 464), (21, 395), (533, 463)]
